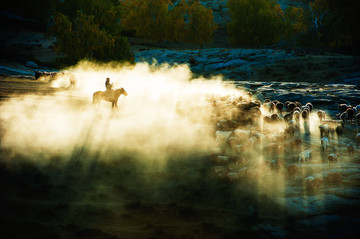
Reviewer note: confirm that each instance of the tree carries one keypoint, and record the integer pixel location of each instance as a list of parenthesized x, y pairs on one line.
[(255, 22), (149, 18), (201, 25), (83, 39), (183, 21)]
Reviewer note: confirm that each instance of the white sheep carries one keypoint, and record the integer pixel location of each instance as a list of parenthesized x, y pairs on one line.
[(333, 158), (321, 114), (305, 156), (222, 136), (242, 134), (324, 143)]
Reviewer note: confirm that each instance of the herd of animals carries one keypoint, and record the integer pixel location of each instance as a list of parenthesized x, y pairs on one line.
[(248, 130)]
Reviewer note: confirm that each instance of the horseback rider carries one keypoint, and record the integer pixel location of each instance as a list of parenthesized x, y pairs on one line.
[(109, 87)]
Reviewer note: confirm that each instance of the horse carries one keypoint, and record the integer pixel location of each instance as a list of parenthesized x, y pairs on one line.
[(112, 96)]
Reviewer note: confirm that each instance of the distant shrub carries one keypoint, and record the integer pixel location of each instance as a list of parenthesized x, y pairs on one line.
[(83, 39), (255, 22), (184, 21)]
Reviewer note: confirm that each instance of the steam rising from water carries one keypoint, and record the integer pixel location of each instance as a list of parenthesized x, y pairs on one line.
[(165, 110)]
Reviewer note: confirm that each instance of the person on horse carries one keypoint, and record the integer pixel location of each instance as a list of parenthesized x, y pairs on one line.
[(108, 86)]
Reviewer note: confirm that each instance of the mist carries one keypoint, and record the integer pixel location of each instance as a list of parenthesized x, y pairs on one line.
[(166, 110)]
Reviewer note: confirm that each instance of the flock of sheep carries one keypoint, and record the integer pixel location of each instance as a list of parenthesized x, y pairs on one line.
[(254, 137)]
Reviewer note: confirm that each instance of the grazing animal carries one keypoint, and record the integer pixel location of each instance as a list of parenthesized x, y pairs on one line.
[(357, 137), (344, 116), (279, 106), (113, 98), (275, 118), (296, 116), (324, 130), (339, 130), (289, 116), (321, 115), (305, 156), (310, 106), (313, 183), (291, 106), (305, 114), (350, 113), (351, 148), (324, 143), (333, 158), (342, 107), (358, 117)]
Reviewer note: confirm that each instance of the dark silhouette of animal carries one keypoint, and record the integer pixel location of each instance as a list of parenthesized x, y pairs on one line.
[(109, 96)]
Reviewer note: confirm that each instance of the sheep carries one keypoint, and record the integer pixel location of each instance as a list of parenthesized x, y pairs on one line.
[(333, 158), (313, 183), (310, 106), (304, 156), (242, 134), (358, 117), (296, 116), (321, 115), (324, 130), (324, 143), (222, 136), (298, 104), (259, 137), (351, 148), (357, 137), (291, 106), (279, 106), (350, 113), (342, 107), (305, 114), (225, 124), (344, 116), (288, 117), (297, 109), (222, 159), (267, 101), (255, 112), (339, 130), (275, 118)]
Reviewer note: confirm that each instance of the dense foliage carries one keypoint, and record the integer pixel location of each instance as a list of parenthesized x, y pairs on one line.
[(255, 22), (184, 21), (95, 29), (90, 29), (319, 23)]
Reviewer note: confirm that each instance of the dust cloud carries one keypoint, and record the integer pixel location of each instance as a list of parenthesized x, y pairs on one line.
[(166, 110)]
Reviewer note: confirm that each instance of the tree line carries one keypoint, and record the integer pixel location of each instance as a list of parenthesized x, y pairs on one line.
[(98, 29)]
